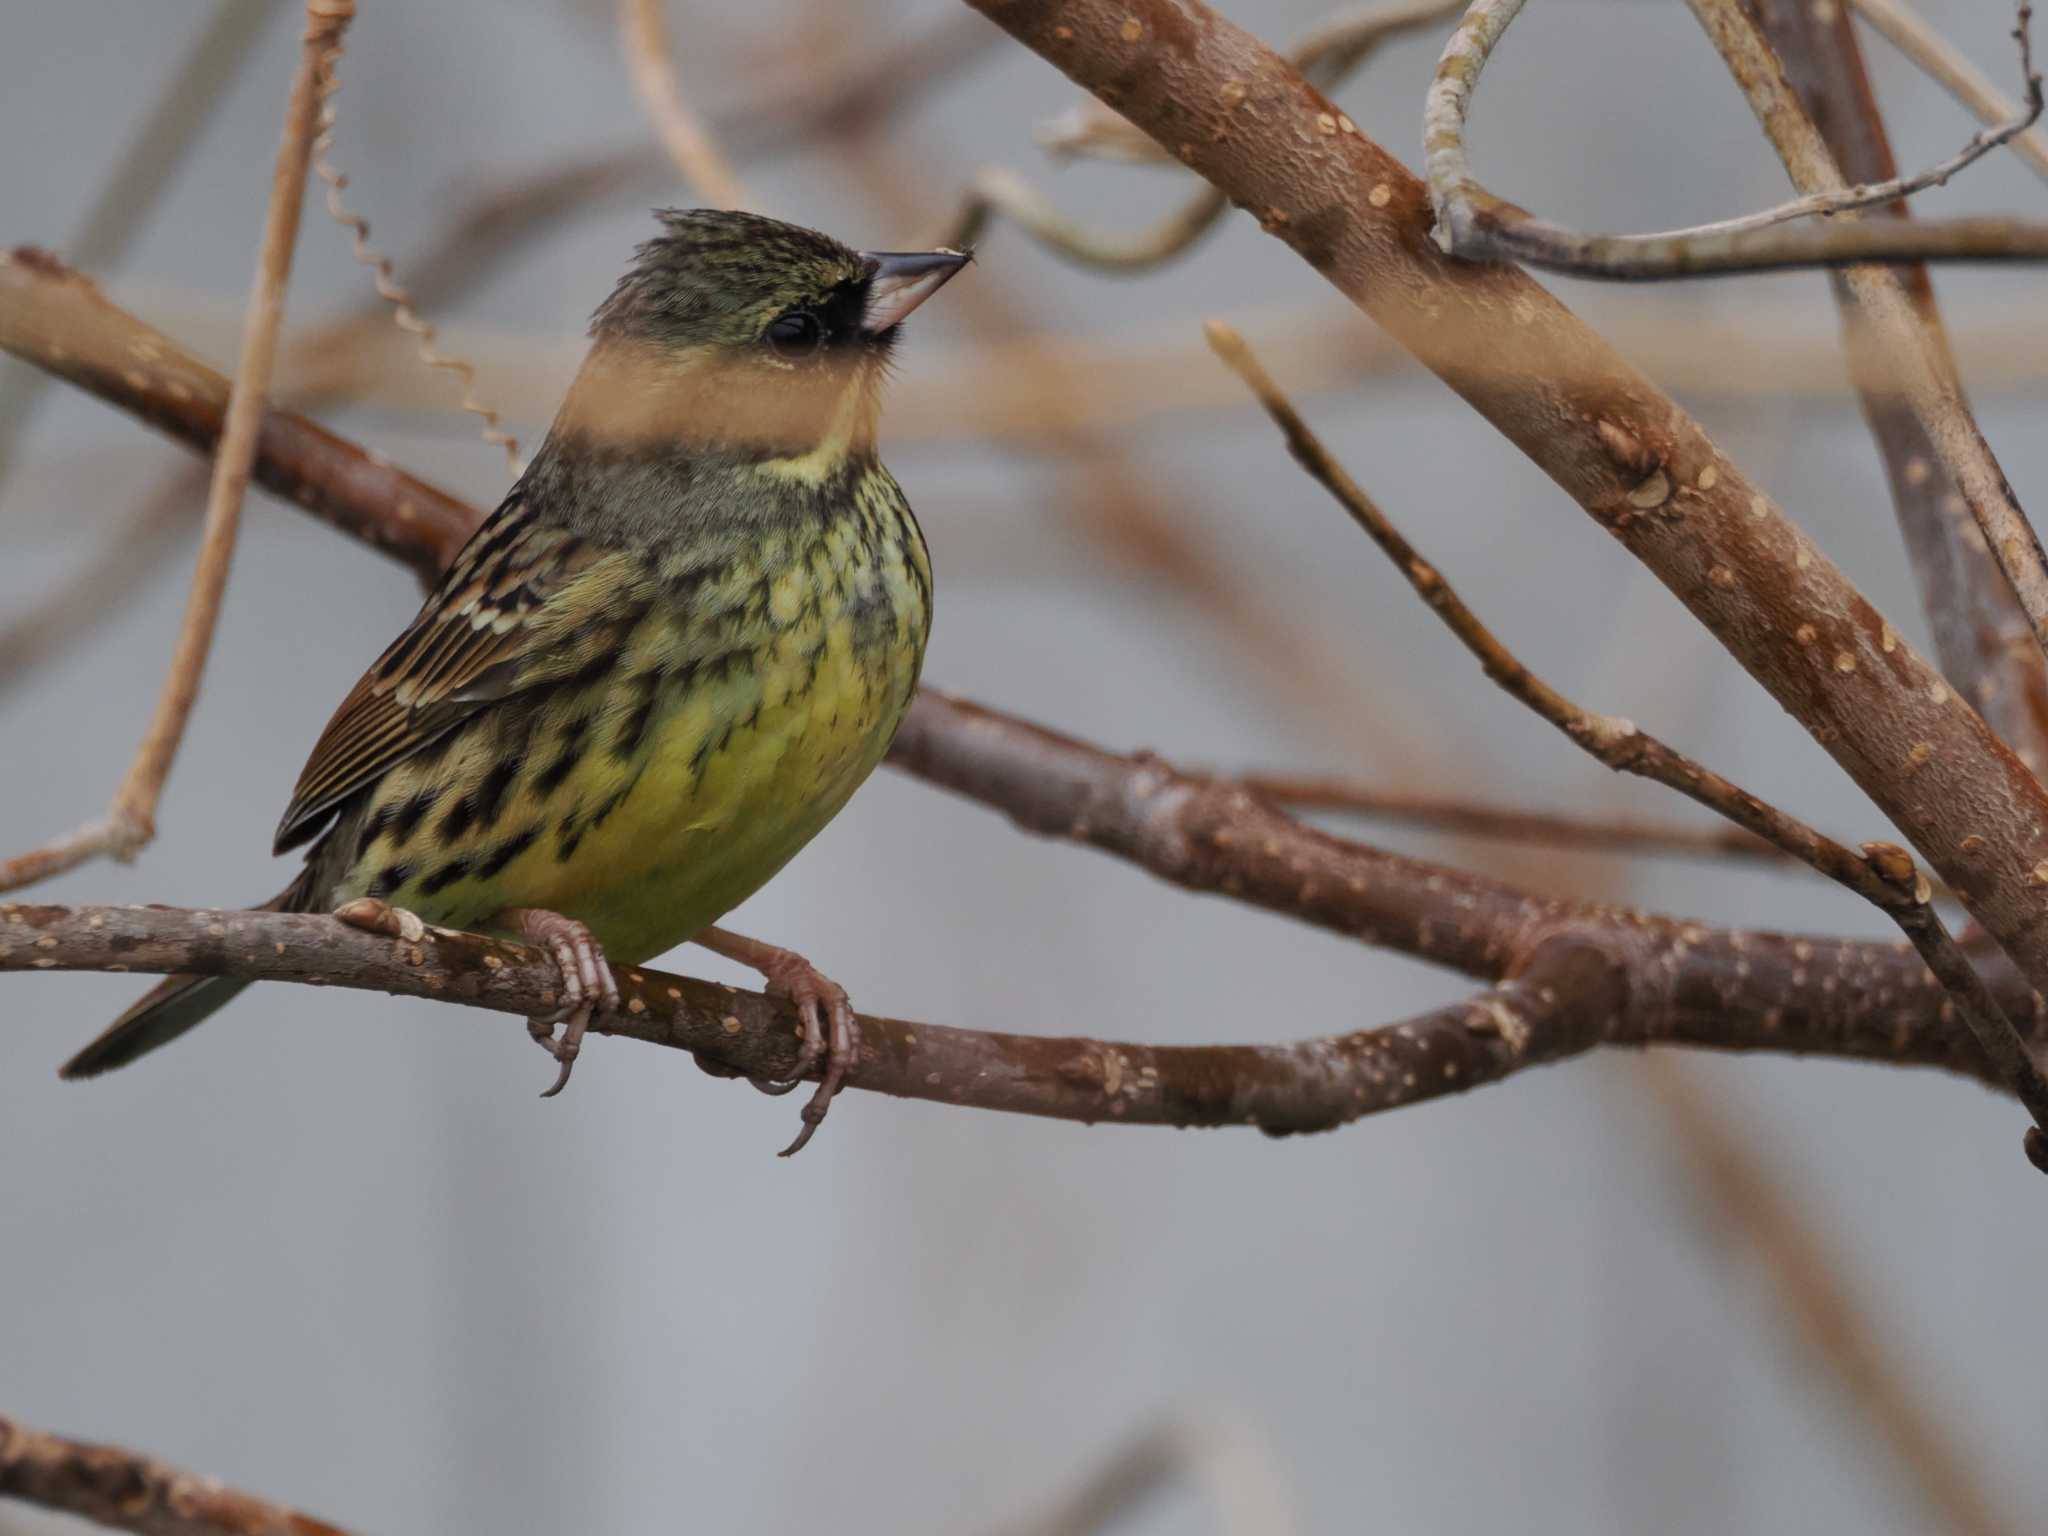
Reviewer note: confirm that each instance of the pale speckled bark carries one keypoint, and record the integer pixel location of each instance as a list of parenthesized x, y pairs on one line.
[(130, 1492), (1226, 105)]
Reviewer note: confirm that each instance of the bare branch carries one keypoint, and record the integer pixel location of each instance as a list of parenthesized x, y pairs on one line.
[(1475, 224), (650, 60), (131, 821), (1911, 353), (59, 321), (1882, 874), (996, 190), (1444, 813), (1980, 632), (1623, 450), (123, 1489), (1900, 26)]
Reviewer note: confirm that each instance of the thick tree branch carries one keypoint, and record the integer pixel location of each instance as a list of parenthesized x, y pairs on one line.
[(1608, 436), (1913, 355), (58, 320), (1882, 873), (131, 1492), (1980, 632)]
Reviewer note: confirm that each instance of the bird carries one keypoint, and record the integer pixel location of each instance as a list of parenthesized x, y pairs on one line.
[(659, 667)]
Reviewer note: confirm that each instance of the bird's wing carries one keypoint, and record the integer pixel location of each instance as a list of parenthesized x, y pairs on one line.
[(466, 648)]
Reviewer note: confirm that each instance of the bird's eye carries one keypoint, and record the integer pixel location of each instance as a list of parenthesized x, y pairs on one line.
[(796, 334)]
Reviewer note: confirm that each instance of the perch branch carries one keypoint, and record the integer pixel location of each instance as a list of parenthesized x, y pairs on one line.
[(131, 821), (1477, 225), (127, 1491)]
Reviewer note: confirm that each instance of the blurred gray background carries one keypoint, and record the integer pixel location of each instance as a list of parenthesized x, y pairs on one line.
[(332, 1248)]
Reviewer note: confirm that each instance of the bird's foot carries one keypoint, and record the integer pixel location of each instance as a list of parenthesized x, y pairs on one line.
[(588, 990), (831, 1032), (373, 915)]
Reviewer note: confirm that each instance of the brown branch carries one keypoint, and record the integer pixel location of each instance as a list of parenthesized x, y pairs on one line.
[(1557, 1006), (1980, 631), (1622, 449), (1914, 357), (1474, 223), (131, 821), (123, 1489), (1718, 988), (59, 321), (1559, 829), (1882, 874)]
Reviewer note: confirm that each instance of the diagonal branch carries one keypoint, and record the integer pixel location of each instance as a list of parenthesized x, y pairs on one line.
[(131, 821), (1980, 632), (1913, 355), (1472, 222), (1882, 874), (1573, 406), (128, 1491)]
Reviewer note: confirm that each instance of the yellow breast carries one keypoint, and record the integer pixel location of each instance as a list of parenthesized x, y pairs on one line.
[(732, 727)]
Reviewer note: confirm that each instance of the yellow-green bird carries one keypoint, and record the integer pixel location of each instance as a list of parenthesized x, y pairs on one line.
[(664, 662)]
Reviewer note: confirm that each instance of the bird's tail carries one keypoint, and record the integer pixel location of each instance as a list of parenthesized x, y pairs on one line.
[(160, 1015), (167, 1010)]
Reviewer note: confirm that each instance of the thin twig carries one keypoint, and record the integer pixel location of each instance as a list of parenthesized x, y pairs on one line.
[(997, 190), (128, 1491), (1445, 813), (650, 60), (1902, 27), (1980, 631), (1473, 223), (389, 288), (1883, 873), (1913, 356), (131, 821)]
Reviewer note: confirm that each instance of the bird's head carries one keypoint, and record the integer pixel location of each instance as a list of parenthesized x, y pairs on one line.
[(743, 331)]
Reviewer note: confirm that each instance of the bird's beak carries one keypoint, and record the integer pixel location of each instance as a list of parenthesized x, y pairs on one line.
[(903, 280)]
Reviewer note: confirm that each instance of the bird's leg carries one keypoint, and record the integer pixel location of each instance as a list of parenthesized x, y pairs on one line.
[(588, 989), (830, 1029)]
